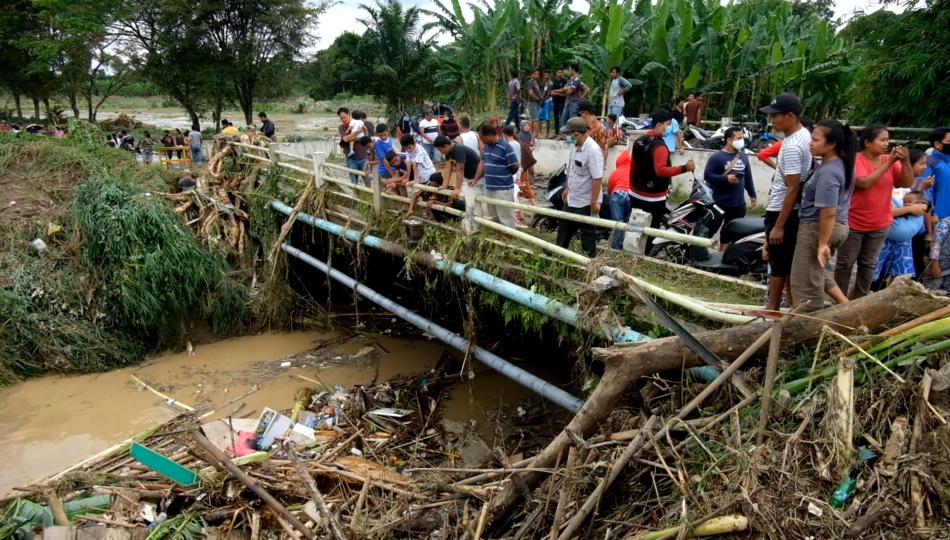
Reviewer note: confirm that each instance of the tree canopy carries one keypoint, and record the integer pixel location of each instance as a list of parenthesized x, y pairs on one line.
[(209, 54)]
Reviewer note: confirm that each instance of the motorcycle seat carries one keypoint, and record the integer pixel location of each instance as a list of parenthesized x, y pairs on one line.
[(702, 132), (739, 228)]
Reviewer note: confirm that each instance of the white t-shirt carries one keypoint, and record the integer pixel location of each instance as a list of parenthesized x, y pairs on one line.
[(418, 155), (356, 126), (516, 148), (587, 164), (794, 158), (470, 139), (429, 129)]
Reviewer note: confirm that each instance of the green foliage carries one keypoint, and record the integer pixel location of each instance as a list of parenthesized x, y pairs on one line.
[(738, 54), (904, 73), (155, 271), (122, 277), (181, 527)]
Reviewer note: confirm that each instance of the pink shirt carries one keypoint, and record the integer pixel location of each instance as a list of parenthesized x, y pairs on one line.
[(871, 207)]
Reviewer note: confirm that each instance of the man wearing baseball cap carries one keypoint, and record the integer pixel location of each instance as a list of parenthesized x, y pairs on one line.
[(781, 215), (595, 130), (582, 195)]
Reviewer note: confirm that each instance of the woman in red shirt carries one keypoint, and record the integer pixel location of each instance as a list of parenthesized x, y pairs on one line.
[(876, 175)]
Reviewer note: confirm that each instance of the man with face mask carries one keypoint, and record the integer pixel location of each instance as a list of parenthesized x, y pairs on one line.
[(651, 171), (582, 195), (938, 165), (728, 173)]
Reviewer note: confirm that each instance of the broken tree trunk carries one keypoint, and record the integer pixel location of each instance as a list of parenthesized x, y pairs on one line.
[(625, 364)]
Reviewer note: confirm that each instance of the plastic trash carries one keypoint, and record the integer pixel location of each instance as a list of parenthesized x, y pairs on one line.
[(843, 492), (38, 245), (158, 521), (244, 444)]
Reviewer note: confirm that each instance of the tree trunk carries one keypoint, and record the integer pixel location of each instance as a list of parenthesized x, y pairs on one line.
[(193, 114), (19, 106), (626, 364), (73, 103), (36, 109), (90, 109), (50, 117)]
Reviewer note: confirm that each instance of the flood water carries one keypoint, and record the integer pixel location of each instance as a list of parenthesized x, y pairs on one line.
[(54, 422)]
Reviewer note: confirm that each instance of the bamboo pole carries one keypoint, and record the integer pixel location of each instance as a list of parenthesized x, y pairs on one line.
[(169, 400), (218, 457)]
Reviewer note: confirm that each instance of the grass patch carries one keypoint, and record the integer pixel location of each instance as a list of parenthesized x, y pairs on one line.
[(120, 276)]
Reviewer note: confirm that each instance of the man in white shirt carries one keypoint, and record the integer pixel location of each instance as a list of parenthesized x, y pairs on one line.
[(466, 136), (582, 195), (429, 127)]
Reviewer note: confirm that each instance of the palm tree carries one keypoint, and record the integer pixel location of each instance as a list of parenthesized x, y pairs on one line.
[(402, 74)]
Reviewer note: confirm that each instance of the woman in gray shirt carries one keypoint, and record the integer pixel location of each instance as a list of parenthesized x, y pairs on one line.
[(826, 197)]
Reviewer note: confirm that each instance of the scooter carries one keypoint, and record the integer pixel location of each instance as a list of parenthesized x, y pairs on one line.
[(556, 186), (717, 140), (700, 216), (763, 138)]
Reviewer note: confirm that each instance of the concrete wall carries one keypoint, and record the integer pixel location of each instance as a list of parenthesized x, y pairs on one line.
[(552, 154), (307, 148)]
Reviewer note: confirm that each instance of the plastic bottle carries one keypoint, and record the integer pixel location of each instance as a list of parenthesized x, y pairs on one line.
[(158, 521), (843, 492)]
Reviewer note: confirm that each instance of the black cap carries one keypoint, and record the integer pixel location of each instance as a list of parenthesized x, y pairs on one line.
[(784, 103), (585, 105)]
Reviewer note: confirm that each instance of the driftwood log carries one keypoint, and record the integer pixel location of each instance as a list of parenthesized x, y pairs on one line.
[(626, 364)]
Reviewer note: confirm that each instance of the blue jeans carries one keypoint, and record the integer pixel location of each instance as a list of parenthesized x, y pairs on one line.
[(615, 109), (570, 111), (619, 211), (359, 165), (431, 152), (196, 154)]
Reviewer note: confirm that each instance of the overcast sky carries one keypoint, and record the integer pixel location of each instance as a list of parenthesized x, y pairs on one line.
[(342, 17)]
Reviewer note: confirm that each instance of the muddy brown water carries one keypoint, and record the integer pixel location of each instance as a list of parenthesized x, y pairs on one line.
[(53, 422)]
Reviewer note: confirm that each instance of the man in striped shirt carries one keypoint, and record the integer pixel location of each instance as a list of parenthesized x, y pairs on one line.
[(494, 175)]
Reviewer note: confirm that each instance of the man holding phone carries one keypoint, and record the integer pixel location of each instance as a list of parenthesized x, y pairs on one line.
[(729, 174)]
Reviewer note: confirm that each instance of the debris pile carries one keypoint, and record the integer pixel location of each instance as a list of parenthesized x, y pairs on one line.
[(852, 441), (123, 122)]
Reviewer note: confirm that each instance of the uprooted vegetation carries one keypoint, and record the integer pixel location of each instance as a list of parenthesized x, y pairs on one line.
[(117, 273)]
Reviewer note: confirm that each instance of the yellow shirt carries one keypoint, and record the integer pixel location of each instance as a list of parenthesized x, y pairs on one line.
[(230, 129)]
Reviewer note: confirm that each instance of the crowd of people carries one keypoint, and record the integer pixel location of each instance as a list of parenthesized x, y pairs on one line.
[(879, 211), (54, 131)]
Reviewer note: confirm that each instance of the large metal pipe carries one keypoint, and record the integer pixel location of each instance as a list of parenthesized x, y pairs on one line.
[(493, 361), (511, 291), (552, 308)]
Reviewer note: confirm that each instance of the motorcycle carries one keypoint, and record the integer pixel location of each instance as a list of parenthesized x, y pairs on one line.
[(556, 186), (763, 138), (716, 141), (700, 216)]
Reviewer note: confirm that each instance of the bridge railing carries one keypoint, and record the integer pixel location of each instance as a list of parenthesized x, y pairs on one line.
[(319, 173), (319, 168)]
